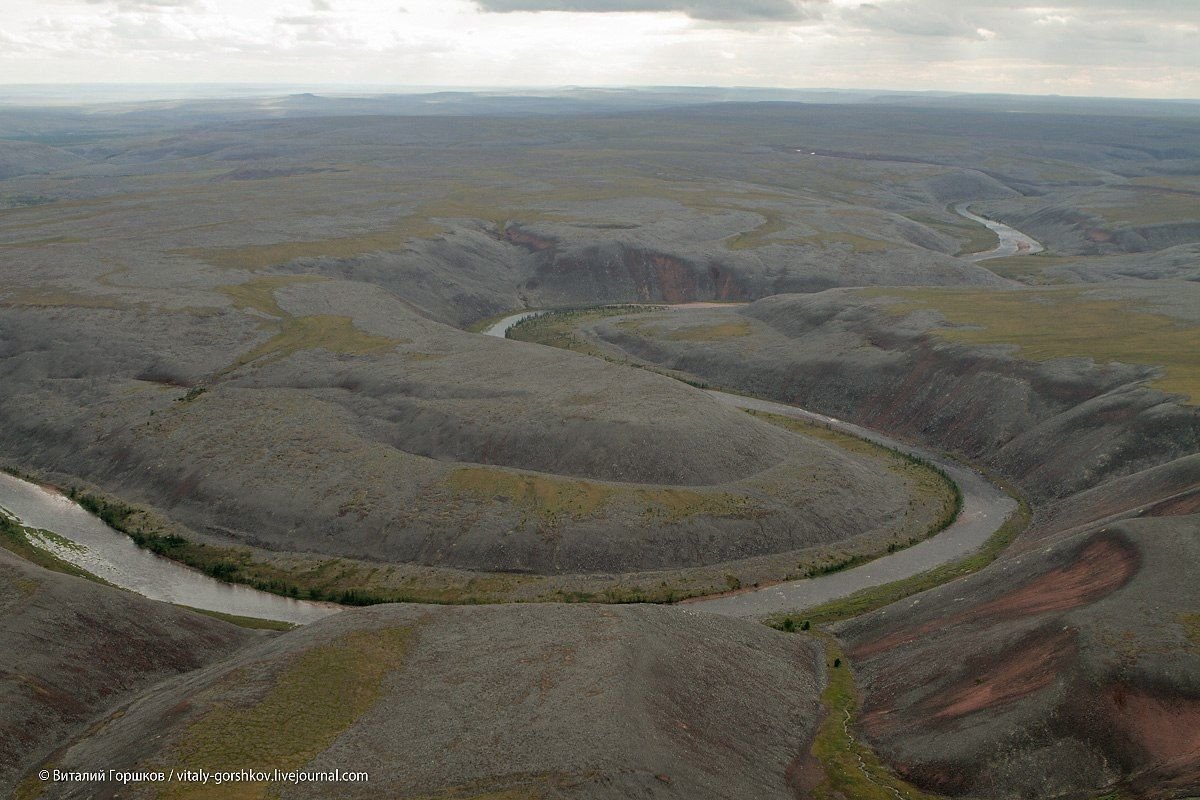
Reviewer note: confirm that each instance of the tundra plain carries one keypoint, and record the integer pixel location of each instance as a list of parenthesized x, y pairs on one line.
[(247, 333)]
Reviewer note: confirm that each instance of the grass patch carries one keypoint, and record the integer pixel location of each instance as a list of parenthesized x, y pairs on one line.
[(557, 328), (852, 770), (1191, 626), (337, 334), (1030, 270), (748, 240), (322, 331), (1061, 323), (712, 333), (973, 237), (877, 597), (254, 623), (316, 697), (552, 499), (1150, 207)]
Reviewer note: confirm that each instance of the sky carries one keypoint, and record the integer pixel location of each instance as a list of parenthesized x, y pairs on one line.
[(1114, 48)]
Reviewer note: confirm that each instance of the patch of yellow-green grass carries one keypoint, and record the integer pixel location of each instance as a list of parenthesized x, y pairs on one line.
[(1191, 625), (334, 333), (712, 333), (553, 499), (322, 331), (1148, 208), (1061, 323), (772, 224), (258, 294), (319, 694), (557, 328), (1030, 270), (876, 597), (851, 768), (549, 498), (973, 237), (253, 623)]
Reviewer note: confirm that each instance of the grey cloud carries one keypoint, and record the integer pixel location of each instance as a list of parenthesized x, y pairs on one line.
[(716, 10), (966, 18), (143, 5)]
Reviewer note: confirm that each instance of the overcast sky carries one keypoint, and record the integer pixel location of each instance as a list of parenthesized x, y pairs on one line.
[(1149, 48)]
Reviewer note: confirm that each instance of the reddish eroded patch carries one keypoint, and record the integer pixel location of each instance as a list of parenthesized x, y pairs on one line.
[(676, 281), (1165, 729), (1181, 505), (1026, 667), (1099, 235), (535, 244), (1103, 565)]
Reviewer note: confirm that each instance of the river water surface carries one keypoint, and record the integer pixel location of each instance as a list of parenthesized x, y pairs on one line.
[(113, 556)]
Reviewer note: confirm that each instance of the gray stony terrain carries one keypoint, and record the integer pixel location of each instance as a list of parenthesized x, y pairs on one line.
[(540, 700), (258, 329)]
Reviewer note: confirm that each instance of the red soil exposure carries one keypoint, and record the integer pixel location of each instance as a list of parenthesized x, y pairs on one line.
[(1165, 729), (1178, 506), (1022, 669), (535, 244), (677, 282), (1103, 565)]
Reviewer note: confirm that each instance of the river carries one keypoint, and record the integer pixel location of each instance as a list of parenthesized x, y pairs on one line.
[(985, 508), (113, 556), (1012, 241)]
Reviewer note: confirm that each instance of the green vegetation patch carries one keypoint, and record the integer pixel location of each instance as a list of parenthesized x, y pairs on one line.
[(557, 328), (253, 623), (973, 237), (553, 499), (316, 697), (61, 298), (1030, 270), (772, 224), (712, 333), (851, 769), (1191, 626), (1062, 323), (337, 334), (1150, 207)]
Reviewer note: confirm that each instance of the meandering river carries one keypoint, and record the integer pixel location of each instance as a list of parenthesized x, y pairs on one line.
[(113, 556), (1012, 241), (985, 508)]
